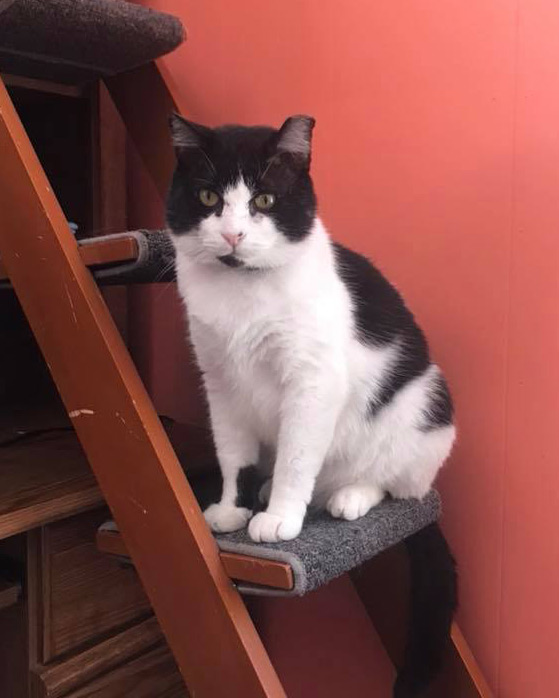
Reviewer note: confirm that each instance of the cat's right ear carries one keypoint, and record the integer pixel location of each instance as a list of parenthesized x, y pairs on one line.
[(294, 138), (187, 135)]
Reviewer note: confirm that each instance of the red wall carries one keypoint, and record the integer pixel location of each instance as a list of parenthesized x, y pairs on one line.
[(436, 153)]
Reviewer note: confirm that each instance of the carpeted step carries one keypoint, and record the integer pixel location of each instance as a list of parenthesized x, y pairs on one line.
[(75, 41), (325, 549), (153, 261), (328, 547), (134, 257)]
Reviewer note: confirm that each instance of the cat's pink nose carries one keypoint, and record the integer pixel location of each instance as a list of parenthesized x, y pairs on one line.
[(232, 238)]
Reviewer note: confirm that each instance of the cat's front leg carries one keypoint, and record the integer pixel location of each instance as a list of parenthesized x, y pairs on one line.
[(309, 412), (236, 448)]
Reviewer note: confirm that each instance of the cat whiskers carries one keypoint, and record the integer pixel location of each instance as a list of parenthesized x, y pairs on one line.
[(167, 268), (271, 162), (210, 163)]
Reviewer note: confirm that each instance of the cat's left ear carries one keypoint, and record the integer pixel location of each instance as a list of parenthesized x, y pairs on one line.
[(187, 135), (295, 136)]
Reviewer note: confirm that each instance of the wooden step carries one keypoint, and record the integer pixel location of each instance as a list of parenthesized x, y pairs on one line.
[(101, 253), (44, 475), (241, 568)]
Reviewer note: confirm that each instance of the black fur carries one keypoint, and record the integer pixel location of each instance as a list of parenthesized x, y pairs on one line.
[(440, 412), (433, 602), (249, 482), (230, 261), (382, 318), (214, 158)]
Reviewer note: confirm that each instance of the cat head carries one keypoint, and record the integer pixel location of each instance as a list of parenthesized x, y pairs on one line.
[(241, 196)]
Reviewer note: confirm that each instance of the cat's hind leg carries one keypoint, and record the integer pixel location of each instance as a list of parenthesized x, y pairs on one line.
[(350, 502), (414, 478)]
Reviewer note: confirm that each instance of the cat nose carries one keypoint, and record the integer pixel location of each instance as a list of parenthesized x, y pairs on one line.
[(232, 238)]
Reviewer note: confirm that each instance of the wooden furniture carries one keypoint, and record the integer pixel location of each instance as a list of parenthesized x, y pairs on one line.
[(72, 621)]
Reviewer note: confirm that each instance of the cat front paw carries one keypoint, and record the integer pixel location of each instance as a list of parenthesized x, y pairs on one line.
[(223, 518), (271, 528)]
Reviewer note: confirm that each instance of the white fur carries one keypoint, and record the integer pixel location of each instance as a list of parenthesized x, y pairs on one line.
[(283, 369)]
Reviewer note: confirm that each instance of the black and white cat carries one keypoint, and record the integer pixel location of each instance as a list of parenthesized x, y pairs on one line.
[(307, 351)]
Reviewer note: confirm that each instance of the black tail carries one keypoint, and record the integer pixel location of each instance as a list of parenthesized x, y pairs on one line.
[(434, 597)]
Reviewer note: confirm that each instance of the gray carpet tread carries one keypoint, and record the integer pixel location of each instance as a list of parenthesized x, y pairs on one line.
[(327, 547), (154, 262)]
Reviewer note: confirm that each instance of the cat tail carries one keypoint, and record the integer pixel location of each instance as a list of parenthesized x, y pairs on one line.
[(433, 601)]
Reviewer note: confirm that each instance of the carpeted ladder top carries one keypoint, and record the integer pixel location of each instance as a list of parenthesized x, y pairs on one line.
[(74, 41)]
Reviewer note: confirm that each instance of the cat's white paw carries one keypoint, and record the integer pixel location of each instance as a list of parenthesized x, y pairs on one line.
[(271, 528), (353, 501), (223, 518)]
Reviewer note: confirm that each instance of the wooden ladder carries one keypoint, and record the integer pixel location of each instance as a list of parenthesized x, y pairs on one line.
[(201, 613)]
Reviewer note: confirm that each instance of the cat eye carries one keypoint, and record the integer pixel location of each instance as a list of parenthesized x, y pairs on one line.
[(264, 202), (208, 197)]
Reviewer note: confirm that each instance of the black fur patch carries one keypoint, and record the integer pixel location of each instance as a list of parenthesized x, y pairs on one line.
[(381, 318), (229, 151), (440, 411), (249, 482), (230, 261)]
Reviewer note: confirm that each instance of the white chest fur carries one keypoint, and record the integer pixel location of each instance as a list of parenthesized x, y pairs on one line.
[(256, 329)]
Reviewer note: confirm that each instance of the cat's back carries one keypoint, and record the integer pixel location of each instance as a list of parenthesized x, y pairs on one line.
[(380, 313), (390, 354)]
